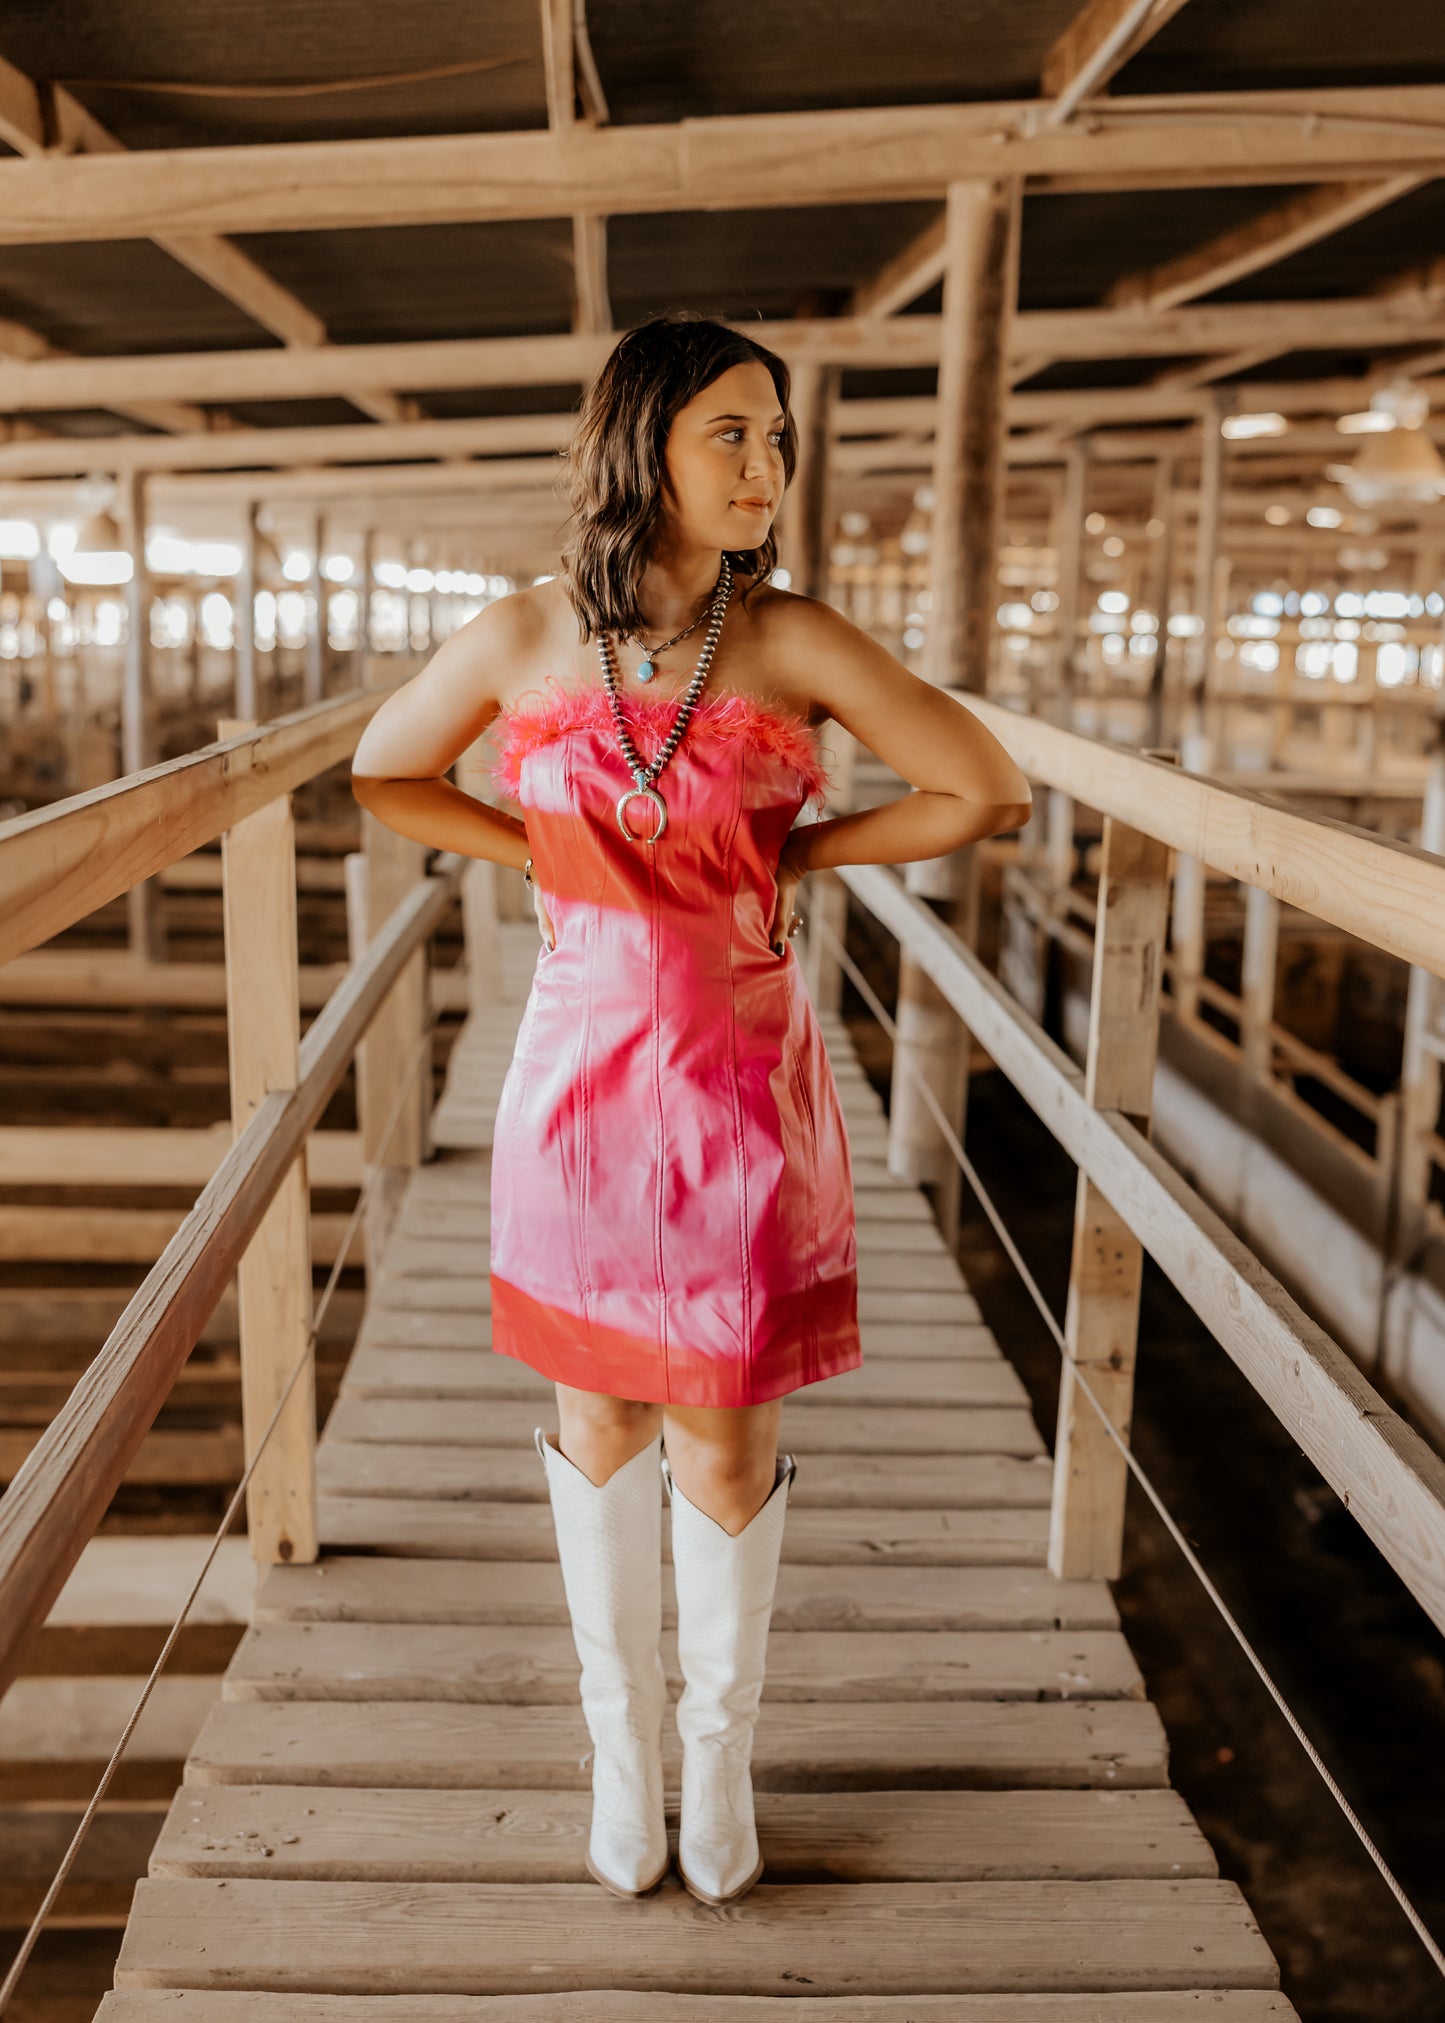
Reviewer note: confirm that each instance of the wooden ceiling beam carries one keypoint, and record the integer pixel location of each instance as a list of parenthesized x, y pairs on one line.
[(1095, 46), (753, 161), (1261, 242), (906, 276), (902, 341), (591, 309), (71, 130)]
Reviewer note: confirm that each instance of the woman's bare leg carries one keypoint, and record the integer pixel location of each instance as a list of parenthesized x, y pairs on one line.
[(599, 1433), (723, 1457)]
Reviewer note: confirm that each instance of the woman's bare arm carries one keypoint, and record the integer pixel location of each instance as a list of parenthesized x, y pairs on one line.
[(423, 728), (965, 784)]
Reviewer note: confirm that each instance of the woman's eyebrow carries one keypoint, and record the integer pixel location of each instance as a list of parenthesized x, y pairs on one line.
[(737, 417)]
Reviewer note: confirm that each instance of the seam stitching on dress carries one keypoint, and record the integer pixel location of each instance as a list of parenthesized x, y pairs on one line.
[(745, 1272), (811, 1337), (654, 966), (584, 1184)]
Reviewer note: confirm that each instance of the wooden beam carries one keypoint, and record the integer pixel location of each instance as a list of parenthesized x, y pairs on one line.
[(755, 161), (259, 448), (591, 307), (905, 277), (59, 863), (542, 360), (64, 1485), (1274, 235), (980, 291), (212, 259), (1095, 46), (1393, 1481)]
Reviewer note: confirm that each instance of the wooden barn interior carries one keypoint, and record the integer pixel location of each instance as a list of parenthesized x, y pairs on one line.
[(1107, 1684)]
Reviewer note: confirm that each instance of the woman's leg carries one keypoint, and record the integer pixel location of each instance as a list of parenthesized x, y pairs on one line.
[(607, 1511), (600, 1433), (724, 1458), (729, 1495)]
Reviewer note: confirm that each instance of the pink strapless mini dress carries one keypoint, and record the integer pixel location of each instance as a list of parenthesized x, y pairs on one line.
[(671, 1193)]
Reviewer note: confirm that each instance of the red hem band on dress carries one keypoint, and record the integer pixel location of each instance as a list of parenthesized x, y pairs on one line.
[(591, 1357)]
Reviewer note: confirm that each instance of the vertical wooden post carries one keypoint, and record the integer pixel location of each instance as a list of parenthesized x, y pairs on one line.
[(1206, 558), (481, 921), (1190, 886), (247, 704), (313, 678), (826, 904), (1101, 1323), (1161, 592), (258, 883), (145, 919), (980, 290), (1257, 983), (1420, 1069), (363, 605), (378, 878), (803, 532), (933, 1042), (1069, 546)]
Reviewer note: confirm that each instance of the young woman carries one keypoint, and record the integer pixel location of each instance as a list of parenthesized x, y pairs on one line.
[(672, 1236)]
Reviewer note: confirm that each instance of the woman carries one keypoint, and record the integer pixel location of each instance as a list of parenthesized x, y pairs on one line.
[(672, 1211)]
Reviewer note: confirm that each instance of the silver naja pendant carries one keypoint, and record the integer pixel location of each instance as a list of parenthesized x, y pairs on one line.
[(641, 793)]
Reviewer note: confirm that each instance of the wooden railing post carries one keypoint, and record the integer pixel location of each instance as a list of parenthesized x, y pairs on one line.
[(274, 1291), (933, 1043), (823, 898), (378, 878), (481, 915), (1101, 1323), (1258, 972)]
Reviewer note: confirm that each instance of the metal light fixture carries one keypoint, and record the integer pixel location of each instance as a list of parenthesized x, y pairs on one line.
[(1398, 464), (99, 558)]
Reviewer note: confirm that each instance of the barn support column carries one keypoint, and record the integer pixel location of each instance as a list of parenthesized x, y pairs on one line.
[(144, 919), (246, 691), (980, 291), (1101, 1321), (313, 679), (274, 1290)]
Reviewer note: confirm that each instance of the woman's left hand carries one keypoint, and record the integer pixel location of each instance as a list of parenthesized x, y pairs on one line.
[(789, 877)]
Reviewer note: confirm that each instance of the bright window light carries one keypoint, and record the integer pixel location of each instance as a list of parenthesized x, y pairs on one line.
[(1113, 600), (1324, 516), (1237, 428), (19, 540), (338, 568), (297, 567), (391, 575)]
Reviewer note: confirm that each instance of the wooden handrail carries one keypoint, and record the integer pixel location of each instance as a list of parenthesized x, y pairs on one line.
[(65, 1484), (60, 863), (1392, 1481), (1387, 893)]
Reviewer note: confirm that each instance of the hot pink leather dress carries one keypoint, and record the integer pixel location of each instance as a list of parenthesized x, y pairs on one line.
[(671, 1195)]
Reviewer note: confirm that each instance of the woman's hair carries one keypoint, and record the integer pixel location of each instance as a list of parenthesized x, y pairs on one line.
[(615, 464)]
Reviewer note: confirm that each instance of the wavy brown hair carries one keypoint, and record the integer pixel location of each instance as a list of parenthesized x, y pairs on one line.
[(615, 463)]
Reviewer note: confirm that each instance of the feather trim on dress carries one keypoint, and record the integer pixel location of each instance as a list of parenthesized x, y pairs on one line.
[(724, 718)]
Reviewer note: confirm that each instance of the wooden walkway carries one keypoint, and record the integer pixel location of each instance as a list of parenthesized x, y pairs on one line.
[(963, 1793)]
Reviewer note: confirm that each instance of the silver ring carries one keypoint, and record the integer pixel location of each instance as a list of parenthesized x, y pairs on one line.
[(797, 923)]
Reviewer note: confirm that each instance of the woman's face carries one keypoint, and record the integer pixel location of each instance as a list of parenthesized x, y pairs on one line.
[(724, 460)]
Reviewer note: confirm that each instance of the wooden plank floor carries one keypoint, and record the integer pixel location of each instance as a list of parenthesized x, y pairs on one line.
[(962, 1791)]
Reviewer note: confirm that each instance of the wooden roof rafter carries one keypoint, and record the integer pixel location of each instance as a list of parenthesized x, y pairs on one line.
[(41, 121)]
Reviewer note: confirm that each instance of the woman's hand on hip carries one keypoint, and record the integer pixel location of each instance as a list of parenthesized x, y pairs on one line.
[(789, 877)]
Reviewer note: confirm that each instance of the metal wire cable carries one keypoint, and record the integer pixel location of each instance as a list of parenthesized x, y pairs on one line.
[(889, 1025), (27, 1944)]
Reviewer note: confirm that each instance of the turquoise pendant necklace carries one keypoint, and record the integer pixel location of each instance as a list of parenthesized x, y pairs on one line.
[(647, 666)]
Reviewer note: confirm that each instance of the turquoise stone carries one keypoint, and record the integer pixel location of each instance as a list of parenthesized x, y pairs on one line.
[(645, 670)]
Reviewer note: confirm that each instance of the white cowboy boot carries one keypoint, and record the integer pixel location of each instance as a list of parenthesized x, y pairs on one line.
[(725, 1587), (609, 1540)]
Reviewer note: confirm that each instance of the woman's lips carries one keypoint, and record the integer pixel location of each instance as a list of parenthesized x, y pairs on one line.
[(753, 505)]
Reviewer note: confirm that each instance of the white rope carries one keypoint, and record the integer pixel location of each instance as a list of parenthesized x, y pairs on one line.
[(27, 1946), (889, 1025)]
